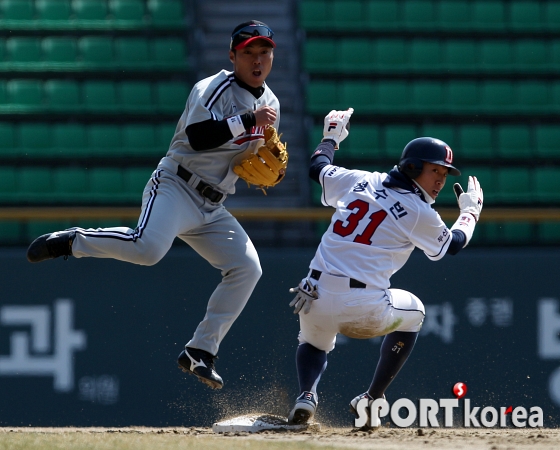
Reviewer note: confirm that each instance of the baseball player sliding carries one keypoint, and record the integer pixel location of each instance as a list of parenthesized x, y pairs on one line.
[(223, 125), (379, 219)]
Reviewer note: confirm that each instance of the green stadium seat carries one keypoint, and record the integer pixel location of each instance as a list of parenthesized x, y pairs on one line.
[(391, 55), (514, 185), (510, 233), (393, 96), (127, 13), (104, 140), (96, 52), (488, 15), (551, 15), (314, 14), (10, 232), (531, 55), (135, 180), (463, 96), (132, 53), (428, 97), (359, 95), (53, 11), (382, 15), (347, 14), (534, 97), (90, 12), (460, 56), (349, 56), (62, 95), (35, 139), (164, 135), (69, 140), (475, 141), (548, 141), (454, 15), (70, 184), (18, 10), (322, 96), (525, 15), (419, 14), (140, 140), (549, 232), (554, 55), (106, 184), (35, 183), (168, 53), (496, 56), (321, 55), (59, 52), (546, 185), (25, 95), (395, 137), (3, 95), (167, 13), (9, 189), (135, 96), (23, 52), (171, 96), (497, 97), (514, 142), (446, 133), (363, 142), (100, 96), (8, 147), (426, 55)]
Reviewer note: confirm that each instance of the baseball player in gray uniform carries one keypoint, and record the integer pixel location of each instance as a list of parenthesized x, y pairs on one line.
[(379, 219), (223, 122)]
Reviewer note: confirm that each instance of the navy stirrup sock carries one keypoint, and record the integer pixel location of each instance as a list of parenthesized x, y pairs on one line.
[(395, 350), (311, 363)]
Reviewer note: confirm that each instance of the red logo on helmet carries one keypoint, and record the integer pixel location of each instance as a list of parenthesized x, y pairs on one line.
[(448, 154)]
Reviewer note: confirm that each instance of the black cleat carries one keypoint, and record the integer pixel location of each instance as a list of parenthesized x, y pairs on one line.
[(51, 245), (304, 409), (200, 363)]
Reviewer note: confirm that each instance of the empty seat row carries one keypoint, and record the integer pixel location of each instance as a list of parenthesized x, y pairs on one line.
[(430, 15), (73, 184), (91, 53), (78, 140), (483, 97), (400, 55), (470, 141), (91, 14), (58, 95)]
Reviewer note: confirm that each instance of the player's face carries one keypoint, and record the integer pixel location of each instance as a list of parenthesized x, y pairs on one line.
[(253, 63), (432, 179)]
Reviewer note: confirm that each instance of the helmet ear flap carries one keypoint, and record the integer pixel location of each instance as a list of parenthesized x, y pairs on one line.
[(412, 167)]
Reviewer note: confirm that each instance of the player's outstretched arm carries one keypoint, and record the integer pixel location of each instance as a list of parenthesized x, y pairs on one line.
[(470, 206)]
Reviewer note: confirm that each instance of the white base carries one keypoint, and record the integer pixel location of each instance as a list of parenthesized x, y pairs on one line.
[(253, 423)]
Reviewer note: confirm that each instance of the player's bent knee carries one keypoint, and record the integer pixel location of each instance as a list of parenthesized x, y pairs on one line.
[(150, 258)]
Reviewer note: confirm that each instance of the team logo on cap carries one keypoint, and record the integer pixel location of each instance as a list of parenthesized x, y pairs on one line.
[(448, 154)]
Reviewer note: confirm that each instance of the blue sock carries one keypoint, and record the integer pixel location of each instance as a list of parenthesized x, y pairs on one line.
[(311, 363), (395, 350)]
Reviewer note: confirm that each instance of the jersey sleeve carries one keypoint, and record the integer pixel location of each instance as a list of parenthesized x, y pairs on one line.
[(336, 181), (431, 235)]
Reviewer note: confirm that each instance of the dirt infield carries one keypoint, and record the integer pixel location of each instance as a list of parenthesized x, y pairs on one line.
[(336, 438)]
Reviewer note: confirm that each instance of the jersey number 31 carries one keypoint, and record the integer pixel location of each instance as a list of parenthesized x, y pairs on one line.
[(360, 209)]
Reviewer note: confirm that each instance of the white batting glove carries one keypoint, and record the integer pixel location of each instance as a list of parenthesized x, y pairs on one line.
[(470, 201), (306, 293), (336, 125)]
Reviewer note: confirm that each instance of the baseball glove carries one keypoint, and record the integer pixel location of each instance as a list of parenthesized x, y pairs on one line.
[(266, 167)]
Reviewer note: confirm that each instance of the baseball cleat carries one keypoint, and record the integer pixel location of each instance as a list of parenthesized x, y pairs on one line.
[(200, 363), (354, 404), (304, 409), (51, 245)]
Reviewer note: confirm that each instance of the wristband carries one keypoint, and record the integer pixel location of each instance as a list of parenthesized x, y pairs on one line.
[(235, 125), (466, 223)]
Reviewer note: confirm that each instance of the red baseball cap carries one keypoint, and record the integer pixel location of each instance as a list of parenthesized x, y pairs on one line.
[(247, 32)]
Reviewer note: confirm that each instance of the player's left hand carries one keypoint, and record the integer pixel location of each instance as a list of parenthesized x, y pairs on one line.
[(306, 293), (336, 125), (470, 201)]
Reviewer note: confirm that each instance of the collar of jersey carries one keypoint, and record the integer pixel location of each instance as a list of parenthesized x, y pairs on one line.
[(256, 92), (397, 179)]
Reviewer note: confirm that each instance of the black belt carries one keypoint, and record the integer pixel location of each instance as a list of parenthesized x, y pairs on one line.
[(316, 274), (204, 188)]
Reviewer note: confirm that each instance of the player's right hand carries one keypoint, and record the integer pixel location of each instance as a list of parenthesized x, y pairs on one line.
[(306, 293), (265, 115), (470, 201), (336, 125)]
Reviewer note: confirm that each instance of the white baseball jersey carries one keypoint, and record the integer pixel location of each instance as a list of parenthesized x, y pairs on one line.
[(374, 228), (218, 97)]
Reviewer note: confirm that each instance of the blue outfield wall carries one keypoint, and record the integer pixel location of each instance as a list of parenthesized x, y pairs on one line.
[(94, 342)]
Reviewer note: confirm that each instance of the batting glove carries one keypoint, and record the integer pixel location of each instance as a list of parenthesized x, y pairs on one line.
[(336, 125), (306, 293), (470, 201)]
